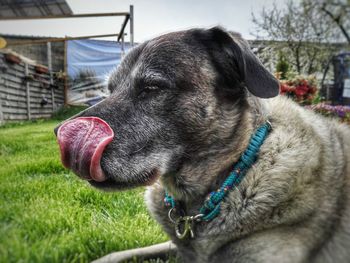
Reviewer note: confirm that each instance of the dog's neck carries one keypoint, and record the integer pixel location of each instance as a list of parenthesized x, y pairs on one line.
[(205, 173)]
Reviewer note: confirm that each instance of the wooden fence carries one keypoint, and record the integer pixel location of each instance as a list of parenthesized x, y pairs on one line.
[(27, 93)]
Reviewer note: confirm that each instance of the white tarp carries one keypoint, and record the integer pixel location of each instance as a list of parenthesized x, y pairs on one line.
[(89, 64)]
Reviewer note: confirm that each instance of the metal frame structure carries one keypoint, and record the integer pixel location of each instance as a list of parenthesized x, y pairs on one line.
[(129, 17), (55, 39)]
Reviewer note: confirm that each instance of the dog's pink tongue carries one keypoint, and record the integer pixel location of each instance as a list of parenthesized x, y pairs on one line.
[(82, 142)]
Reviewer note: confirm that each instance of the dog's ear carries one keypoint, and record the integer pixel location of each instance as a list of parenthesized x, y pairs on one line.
[(258, 80)]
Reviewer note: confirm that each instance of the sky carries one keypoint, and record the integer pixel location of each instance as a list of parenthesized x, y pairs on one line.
[(152, 17)]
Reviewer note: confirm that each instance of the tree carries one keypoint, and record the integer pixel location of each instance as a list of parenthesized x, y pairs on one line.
[(335, 12), (298, 30), (282, 65)]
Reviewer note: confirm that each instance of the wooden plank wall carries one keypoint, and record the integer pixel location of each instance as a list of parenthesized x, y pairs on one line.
[(22, 92)]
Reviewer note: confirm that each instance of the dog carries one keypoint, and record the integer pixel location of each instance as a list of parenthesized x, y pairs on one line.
[(182, 110)]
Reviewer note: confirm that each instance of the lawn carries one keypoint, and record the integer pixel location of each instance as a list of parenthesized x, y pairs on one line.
[(47, 214)]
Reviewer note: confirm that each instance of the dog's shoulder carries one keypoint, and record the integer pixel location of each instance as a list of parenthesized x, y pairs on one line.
[(301, 134)]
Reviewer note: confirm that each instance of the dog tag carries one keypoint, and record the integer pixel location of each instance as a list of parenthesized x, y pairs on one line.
[(184, 226)]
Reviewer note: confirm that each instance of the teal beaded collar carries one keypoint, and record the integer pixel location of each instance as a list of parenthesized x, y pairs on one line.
[(211, 207)]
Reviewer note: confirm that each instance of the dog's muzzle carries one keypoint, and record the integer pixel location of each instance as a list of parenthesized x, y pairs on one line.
[(82, 142)]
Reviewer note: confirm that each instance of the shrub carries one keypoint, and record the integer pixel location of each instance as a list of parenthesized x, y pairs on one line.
[(301, 89), (67, 112), (339, 112), (282, 66)]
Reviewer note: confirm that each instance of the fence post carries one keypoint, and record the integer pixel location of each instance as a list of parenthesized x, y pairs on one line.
[(49, 65), (1, 114), (131, 12), (65, 65), (26, 71)]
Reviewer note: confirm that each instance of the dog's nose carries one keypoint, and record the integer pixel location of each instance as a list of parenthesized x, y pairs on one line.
[(56, 129)]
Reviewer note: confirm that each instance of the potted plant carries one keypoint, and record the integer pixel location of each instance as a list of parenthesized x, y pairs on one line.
[(12, 58), (41, 69)]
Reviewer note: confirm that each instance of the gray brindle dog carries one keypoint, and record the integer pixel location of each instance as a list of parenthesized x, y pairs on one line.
[(182, 109)]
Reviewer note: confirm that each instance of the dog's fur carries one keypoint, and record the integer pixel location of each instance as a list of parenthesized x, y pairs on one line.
[(181, 108)]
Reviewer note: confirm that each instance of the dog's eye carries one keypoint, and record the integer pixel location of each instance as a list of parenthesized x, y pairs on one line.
[(149, 90), (151, 87)]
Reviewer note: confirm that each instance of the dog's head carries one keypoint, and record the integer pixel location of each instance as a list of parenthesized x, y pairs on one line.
[(173, 98)]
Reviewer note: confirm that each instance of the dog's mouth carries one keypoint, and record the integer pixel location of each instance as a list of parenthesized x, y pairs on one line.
[(145, 179), (82, 142)]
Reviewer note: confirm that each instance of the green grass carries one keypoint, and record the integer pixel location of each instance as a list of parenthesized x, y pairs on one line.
[(47, 214)]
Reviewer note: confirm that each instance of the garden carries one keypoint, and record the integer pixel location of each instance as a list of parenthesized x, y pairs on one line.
[(305, 91), (48, 214)]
